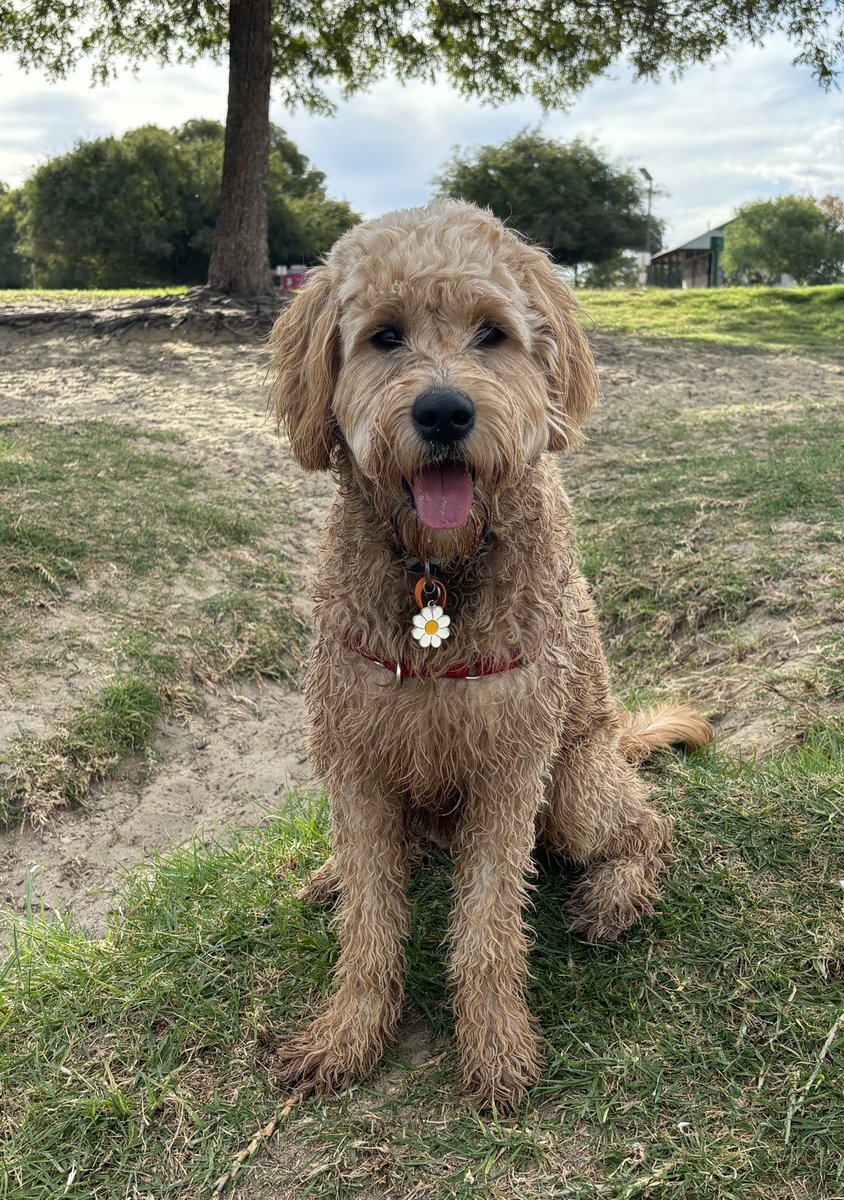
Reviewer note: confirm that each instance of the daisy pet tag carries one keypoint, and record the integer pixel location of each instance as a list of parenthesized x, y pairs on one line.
[(430, 625)]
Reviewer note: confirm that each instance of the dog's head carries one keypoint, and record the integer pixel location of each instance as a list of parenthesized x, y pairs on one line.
[(438, 355)]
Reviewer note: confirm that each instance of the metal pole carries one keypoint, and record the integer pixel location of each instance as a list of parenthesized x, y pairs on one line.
[(649, 178)]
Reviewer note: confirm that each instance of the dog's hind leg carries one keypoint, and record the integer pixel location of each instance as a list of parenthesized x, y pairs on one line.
[(371, 859), (598, 815)]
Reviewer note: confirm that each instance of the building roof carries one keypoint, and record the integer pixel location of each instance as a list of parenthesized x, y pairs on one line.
[(701, 242)]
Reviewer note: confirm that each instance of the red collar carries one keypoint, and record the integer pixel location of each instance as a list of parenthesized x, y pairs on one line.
[(465, 670)]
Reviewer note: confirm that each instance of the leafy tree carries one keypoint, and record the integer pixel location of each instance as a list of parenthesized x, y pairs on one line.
[(563, 195), (622, 269), (832, 268), (546, 48), (12, 265), (303, 221), (787, 235), (141, 209), (122, 211)]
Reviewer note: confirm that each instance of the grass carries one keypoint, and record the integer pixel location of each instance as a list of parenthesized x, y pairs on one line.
[(83, 296), (691, 1060), (78, 498), (800, 320), (44, 774), (664, 549), (113, 523)]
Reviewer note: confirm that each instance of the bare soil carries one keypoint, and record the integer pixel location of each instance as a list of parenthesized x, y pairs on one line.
[(232, 759)]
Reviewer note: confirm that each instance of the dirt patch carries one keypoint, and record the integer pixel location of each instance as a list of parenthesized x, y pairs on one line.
[(242, 747), (228, 764), (233, 757)]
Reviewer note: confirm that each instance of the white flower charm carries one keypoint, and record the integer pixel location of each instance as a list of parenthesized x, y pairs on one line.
[(430, 626)]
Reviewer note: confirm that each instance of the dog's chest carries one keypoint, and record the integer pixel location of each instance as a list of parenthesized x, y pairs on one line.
[(428, 738)]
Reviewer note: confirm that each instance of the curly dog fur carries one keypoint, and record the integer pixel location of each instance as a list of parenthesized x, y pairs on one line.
[(487, 766)]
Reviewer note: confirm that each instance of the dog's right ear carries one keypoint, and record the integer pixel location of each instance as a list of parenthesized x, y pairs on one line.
[(570, 366), (305, 358)]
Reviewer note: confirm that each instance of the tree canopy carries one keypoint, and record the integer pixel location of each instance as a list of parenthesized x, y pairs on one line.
[(793, 235), (141, 209), (549, 49), (564, 195)]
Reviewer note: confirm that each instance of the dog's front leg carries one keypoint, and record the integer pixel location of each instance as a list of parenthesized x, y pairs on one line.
[(500, 1047), (370, 856)]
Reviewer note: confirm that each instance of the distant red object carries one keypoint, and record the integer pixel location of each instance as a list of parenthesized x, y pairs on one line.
[(290, 279), (294, 280)]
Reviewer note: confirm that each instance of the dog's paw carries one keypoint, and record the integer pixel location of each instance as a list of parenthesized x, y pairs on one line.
[(325, 1059), (500, 1074), (322, 886), (612, 896)]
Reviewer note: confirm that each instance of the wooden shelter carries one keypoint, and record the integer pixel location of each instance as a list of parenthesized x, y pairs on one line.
[(694, 264)]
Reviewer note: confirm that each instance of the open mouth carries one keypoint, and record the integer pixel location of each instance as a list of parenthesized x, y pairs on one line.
[(442, 494)]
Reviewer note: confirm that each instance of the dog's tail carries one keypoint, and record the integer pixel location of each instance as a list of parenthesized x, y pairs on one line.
[(666, 725)]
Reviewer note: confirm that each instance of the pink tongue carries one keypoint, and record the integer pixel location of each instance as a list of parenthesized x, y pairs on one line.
[(443, 496)]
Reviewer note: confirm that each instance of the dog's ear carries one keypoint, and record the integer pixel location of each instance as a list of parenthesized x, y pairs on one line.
[(305, 357), (570, 366)]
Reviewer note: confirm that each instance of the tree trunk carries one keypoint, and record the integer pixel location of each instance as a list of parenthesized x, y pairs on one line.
[(240, 254)]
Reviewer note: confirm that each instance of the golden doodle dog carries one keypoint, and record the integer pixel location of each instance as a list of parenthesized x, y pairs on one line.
[(457, 691)]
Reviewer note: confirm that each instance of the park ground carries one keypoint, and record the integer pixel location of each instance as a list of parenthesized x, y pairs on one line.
[(157, 549)]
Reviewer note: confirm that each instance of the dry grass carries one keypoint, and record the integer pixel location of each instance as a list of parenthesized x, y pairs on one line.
[(714, 544)]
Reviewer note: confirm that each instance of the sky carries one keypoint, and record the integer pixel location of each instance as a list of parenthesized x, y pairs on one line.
[(751, 125)]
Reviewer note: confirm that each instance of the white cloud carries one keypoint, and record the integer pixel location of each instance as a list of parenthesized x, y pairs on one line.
[(750, 126)]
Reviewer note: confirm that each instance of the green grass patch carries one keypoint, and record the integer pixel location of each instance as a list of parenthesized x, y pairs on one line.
[(808, 319), (687, 534), (245, 634), (80, 498), (230, 636), (700, 1057), (182, 573), (41, 774)]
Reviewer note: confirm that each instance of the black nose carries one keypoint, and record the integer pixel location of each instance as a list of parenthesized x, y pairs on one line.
[(443, 415)]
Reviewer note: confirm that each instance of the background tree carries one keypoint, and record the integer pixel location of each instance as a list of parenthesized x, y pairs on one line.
[(13, 270), (563, 195), (832, 208), (303, 221), (622, 269), (141, 209), (549, 49), (790, 235)]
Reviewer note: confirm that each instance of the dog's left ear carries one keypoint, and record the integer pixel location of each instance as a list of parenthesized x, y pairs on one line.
[(570, 365), (305, 360)]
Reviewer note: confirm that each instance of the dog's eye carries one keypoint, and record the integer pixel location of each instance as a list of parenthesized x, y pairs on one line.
[(489, 335), (389, 338)]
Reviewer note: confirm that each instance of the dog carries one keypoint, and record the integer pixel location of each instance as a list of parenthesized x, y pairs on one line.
[(457, 690)]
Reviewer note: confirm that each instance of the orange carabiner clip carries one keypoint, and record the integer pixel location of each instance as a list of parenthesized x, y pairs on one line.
[(420, 587)]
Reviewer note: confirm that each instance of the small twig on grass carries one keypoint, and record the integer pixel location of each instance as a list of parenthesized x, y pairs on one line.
[(771, 687), (263, 1135), (799, 1095)]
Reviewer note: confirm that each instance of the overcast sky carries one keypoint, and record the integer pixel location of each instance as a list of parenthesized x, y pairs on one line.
[(749, 126)]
